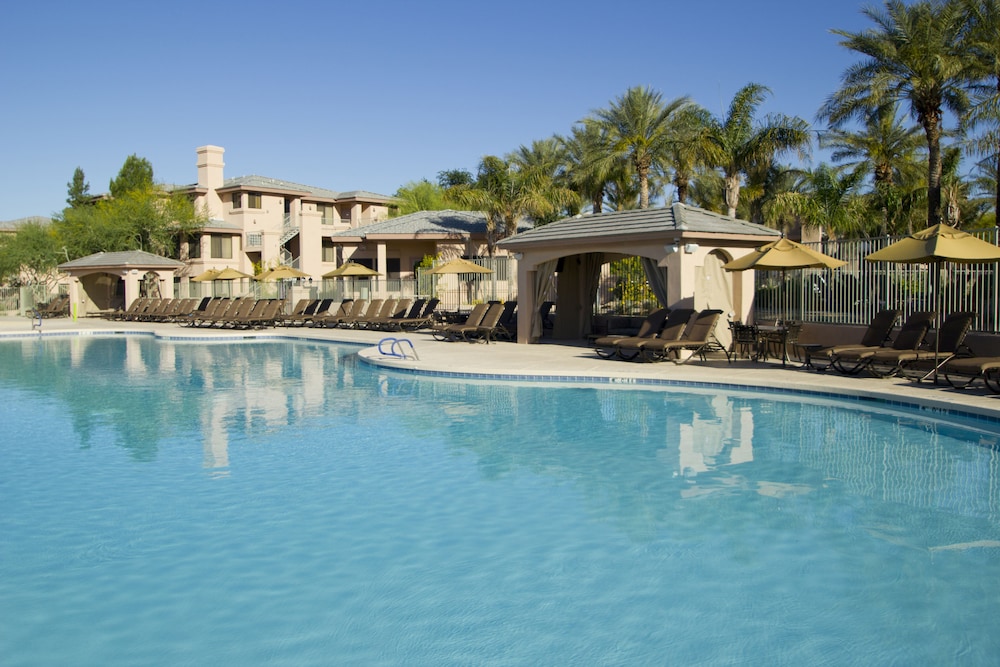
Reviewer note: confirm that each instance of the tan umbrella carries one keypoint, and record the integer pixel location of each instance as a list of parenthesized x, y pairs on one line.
[(782, 255), (459, 265), (351, 270), (206, 276), (231, 274), (936, 245), (282, 273)]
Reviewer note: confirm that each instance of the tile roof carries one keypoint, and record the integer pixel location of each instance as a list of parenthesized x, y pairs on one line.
[(423, 222), (125, 259), (651, 221)]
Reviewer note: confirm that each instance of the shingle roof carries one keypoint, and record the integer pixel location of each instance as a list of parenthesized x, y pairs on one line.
[(266, 183), (642, 222), (423, 222), (125, 259)]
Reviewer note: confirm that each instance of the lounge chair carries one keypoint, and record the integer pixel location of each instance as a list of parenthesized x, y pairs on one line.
[(349, 321), (446, 331), (390, 307), (852, 360), (674, 328), (876, 335), (404, 308), (698, 338), (962, 372), (922, 363), (424, 318), (606, 347), (479, 332), (347, 311), (506, 328), (58, 306)]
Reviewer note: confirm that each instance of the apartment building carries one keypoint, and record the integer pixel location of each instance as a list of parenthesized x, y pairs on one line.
[(257, 222)]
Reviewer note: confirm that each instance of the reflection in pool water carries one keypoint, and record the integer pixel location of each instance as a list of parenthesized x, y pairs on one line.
[(279, 503)]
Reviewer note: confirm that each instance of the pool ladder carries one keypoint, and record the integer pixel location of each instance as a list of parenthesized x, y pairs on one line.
[(395, 348)]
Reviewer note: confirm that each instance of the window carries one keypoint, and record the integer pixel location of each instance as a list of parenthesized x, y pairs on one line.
[(222, 247), (329, 251), (237, 199), (253, 200), (329, 213), (194, 248), (254, 240)]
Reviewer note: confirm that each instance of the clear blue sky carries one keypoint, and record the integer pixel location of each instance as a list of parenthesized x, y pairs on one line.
[(370, 95)]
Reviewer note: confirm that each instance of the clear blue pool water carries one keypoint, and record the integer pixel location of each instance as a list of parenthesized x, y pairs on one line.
[(284, 504)]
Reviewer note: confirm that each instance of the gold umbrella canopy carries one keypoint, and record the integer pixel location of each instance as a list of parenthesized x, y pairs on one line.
[(206, 276), (351, 270), (936, 244), (231, 274), (781, 255), (459, 265), (282, 273)]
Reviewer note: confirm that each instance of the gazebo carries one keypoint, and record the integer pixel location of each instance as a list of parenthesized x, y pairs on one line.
[(683, 249), (111, 280)]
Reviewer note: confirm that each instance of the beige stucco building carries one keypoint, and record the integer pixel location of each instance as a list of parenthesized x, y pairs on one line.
[(257, 222)]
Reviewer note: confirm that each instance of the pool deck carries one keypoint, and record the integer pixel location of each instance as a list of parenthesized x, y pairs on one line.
[(562, 361)]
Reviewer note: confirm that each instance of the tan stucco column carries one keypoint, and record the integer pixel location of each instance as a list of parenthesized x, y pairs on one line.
[(525, 300)]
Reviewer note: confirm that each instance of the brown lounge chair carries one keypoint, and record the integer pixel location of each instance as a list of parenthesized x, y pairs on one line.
[(447, 331), (606, 347), (404, 309), (479, 332), (962, 372), (422, 319), (922, 363), (698, 337), (852, 360), (876, 335)]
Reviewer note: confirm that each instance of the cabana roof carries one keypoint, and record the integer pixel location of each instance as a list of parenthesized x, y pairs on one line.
[(670, 222), (127, 259)]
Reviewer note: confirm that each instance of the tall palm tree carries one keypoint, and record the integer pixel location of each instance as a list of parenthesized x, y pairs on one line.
[(887, 149), (738, 143), (546, 159), (983, 43), (686, 149), (639, 126), (588, 162), (912, 55), (827, 197), (507, 194)]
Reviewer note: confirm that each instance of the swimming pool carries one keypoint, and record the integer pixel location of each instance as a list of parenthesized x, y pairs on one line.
[(282, 503)]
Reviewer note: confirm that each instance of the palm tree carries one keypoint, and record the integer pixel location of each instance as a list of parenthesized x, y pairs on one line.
[(507, 194), (736, 143), (983, 43), (886, 149), (686, 149), (912, 55), (826, 197), (639, 126), (588, 162)]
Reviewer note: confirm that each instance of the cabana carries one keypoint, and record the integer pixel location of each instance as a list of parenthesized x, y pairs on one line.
[(683, 249), (112, 280)]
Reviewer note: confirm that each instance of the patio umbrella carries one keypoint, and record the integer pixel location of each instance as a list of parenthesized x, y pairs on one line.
[(782, 255), (351, 270), (282, 273), (206, 276), (231, 274), (936, 245), (459, 265)]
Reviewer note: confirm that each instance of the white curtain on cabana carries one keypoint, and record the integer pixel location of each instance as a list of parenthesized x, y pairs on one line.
[(714, 289), (544, 275)]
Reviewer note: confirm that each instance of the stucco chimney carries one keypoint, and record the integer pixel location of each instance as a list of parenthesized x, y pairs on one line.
[(210, 166), (210, 178)]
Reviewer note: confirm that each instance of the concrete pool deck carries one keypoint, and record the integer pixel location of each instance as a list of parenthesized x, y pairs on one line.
[(556, 360)]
